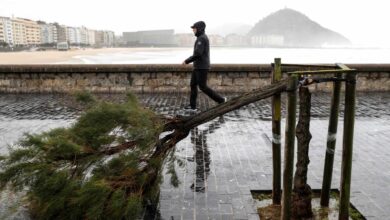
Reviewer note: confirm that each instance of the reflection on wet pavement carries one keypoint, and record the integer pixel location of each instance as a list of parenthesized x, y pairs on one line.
[(226, 158), (202, 154)]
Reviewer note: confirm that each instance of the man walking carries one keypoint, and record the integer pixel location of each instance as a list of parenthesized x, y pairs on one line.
[(201, 66)]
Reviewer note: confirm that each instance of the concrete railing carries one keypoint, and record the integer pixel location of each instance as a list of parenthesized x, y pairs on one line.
[(160, 78)]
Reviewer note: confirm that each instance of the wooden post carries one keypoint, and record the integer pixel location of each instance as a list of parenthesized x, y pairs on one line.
[(346, 165), (289, 146), (331, 142), (276, 137)]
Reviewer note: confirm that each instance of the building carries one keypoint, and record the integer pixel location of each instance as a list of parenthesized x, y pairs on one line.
[(33, 32), (150, 38), (91, 37), (99, 38), (216, 40), (2, 32), (19, 32), (267, 40), (6, 33), (74, 35), (84, 39), (26, 31), (119, 42), (48, 33), (185, 40), (62, 33), (110, 38), (235, 40), (105, 38)]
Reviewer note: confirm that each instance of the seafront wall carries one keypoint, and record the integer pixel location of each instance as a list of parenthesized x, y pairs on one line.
[(161, 78)]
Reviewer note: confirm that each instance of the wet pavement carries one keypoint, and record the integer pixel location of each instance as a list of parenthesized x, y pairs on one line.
[(221, 161)]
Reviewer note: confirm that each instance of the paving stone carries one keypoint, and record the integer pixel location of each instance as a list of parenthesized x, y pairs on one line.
[(227, 217), (225, 208), (214, 216)]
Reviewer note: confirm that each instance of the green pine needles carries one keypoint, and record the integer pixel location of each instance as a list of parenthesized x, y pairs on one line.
[(94, 169)]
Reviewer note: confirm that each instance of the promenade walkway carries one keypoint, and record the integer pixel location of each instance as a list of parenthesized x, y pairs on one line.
[(226, 158)]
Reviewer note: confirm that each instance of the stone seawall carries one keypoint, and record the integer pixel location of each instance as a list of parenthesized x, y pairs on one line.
[(160, 78)]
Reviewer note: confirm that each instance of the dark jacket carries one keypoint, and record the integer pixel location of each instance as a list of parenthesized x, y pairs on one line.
[(201, 56)]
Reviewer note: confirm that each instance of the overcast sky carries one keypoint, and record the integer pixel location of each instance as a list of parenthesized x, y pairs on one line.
[(364, 22)]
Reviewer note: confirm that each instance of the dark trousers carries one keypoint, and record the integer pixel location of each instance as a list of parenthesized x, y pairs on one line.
[(199, 78)]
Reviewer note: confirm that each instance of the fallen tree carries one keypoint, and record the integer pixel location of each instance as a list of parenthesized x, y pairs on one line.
[(107, 164)]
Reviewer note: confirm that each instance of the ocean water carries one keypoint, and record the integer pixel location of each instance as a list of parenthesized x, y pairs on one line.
[(223, 55)]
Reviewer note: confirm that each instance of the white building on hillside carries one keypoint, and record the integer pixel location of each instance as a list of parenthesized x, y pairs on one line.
[(236, 40), (267, 40)]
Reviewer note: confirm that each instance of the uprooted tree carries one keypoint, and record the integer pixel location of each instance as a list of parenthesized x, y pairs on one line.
[(107, 164)]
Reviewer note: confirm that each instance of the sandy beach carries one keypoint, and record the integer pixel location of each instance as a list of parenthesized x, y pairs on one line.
[(176, 55), (52, 57)]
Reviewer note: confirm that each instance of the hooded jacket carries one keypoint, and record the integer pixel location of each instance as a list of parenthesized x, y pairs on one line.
[(201, 55)]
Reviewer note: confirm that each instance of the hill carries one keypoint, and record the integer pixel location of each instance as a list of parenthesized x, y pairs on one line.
[(291, 28)]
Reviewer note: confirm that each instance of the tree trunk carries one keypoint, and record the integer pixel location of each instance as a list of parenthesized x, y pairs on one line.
[(179, 127), (301, 198)]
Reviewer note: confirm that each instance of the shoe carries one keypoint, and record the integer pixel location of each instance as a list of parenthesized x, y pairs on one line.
[(189, 108)]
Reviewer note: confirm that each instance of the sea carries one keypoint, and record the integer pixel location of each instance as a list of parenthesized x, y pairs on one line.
[(229, 55)]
